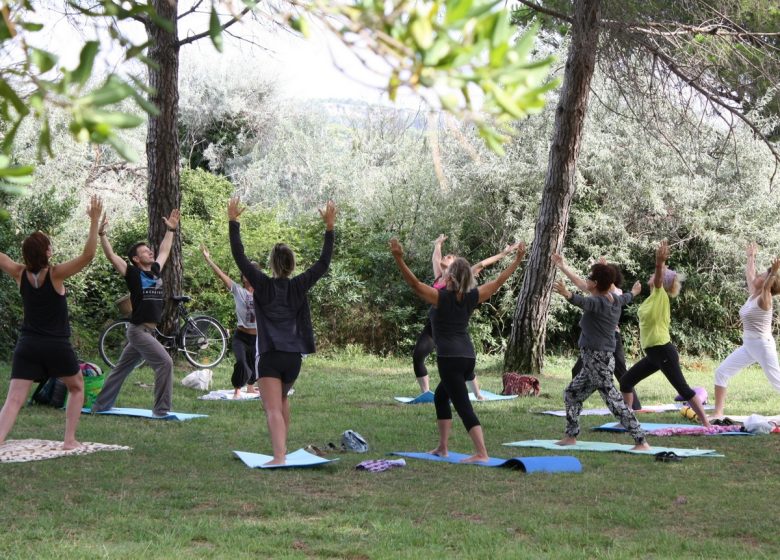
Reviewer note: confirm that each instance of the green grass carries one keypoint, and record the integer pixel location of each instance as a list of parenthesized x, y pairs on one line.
[(180, 493)]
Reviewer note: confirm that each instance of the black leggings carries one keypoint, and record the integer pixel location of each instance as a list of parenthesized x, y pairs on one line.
[(422, 349), (454, 373), (665, 358), (620, 366), (244, 372)]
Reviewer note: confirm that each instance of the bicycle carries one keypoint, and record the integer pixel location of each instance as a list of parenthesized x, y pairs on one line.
[(203, 339)]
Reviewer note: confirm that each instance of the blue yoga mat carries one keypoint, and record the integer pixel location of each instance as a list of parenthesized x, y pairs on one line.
[(553, 463), (296, 459), (650, 427), (144, 413), (428, 398)]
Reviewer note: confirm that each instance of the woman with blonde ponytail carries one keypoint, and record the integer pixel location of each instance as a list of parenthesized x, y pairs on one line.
[(452, 307)]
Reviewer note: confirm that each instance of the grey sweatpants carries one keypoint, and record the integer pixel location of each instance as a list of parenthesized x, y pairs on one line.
[(596, 375), (141, 345)]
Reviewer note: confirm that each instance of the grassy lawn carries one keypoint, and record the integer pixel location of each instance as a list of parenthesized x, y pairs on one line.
[(180, 493)]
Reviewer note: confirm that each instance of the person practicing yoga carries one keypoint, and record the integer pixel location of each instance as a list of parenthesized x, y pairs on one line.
[(284, 329), (451, 308), (660, 353), (143, 278), (601, 313), (424, 345), (43, 349), (758, 343), (245, 335), (582, 285)]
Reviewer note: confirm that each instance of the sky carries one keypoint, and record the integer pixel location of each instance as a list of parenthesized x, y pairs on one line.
[(302, 68)]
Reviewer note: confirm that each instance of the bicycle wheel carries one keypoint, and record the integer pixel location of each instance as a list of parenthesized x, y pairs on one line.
[(203, 341), (112, 341)]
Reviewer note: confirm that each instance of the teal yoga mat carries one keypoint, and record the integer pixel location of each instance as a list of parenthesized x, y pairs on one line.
[(651, 427), (428, 398), (605, 446), (296, 459), (144, 413), (551, 464)]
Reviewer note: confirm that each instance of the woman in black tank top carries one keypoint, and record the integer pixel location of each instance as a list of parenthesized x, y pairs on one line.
[(43, 349)]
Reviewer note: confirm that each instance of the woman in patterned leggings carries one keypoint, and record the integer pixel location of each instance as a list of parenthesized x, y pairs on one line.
[(601, 312)]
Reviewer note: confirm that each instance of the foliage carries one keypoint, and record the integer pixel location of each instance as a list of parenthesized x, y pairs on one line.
[(33, 82)]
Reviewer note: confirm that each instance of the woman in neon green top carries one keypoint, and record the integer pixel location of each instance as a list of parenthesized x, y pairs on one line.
[(660, 353)]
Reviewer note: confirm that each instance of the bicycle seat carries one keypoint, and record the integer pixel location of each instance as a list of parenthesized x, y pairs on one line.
[(182, 299)]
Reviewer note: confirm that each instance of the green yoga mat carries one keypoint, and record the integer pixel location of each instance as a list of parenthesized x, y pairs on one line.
[(605, 446)]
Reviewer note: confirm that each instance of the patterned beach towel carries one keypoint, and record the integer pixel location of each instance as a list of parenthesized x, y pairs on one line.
[(24, 450)]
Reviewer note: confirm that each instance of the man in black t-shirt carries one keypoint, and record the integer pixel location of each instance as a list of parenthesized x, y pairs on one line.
[(146, 295)]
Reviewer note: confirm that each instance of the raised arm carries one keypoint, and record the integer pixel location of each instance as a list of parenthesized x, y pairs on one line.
[(425, 292), (765, 299), (255, 276), (11, 267), (436, 257), (487, 289), (118, 262), (218, 271), (172, 224), (490, 261), (67, 269), (575, 278), (316, 271), (661, 254), (750, 265)]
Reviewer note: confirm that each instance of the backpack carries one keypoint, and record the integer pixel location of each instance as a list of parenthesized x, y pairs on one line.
[(51, 392), (523, 385), (353, 441)]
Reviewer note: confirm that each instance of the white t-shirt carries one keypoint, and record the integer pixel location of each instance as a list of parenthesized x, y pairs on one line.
[(245, 306)]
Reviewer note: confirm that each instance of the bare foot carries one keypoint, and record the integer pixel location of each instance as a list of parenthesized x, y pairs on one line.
[(478, 458), (237, 394), (68, 445), (274, 462), (480, 397), (439, 452), (641, 447), (566, 441)]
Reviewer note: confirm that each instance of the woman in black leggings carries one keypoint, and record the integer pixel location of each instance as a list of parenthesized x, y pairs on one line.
[(424, 345), (452, 308)]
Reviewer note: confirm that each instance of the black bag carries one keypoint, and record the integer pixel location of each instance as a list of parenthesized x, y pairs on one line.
[(51, 392)]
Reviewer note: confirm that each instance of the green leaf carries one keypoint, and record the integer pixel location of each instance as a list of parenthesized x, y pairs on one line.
[(437, 52), (502, 31), (44, 139), (525, 43), (44, 60), (31, 26), (457, 10), (481, 9), (8, 141), (505, 101), (116, 119), (112, 91), (17, 171), (146, 105), (122, 149), (86, 62), (422, 33), (215, 29), (8, 93)]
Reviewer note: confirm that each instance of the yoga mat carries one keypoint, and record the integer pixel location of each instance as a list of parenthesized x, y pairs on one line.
[(560, 463), (651, 427), (25, 450), (428, 398), (741, 419), (295, 459), (605, 411), (605, 446), (144, 413), (227, 395)]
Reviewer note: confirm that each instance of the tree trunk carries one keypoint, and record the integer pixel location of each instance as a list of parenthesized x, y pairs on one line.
[(162, 147), (525, 352)]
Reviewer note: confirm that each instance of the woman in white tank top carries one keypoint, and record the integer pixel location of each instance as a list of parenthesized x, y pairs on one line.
[(758, 344)]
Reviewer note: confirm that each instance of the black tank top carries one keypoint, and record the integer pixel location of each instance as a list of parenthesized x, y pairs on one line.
[(45, 311)]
